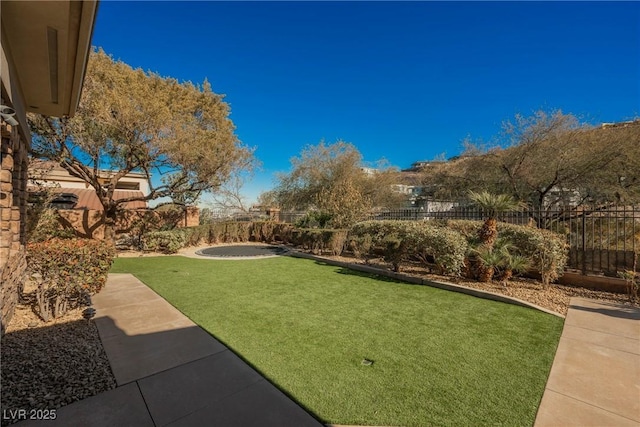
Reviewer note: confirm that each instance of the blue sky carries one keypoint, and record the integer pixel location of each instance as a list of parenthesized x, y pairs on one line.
[(404, 81)]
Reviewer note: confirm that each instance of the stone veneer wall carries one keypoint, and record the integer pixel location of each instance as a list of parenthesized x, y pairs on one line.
[(13, 206)]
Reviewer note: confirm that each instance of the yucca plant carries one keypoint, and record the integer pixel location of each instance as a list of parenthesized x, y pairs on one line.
[(492, 205)]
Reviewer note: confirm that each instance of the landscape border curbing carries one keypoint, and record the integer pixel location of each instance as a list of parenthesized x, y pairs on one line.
[(426, 282)]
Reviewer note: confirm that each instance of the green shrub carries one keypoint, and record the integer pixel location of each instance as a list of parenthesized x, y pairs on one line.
[(166, 242), (447, 247), (269, 231), (499, 260), (361, 245), (314, 219), (230, 232), (195, 236), (44, 224), (283, 233), (395, 250), (401, 240), (66, 272), (546, 250), (216, 231), (320, 241)]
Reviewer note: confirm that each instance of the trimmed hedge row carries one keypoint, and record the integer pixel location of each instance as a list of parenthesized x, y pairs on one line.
[(220, 232), (444, 245), (318, 241), (66, 272)]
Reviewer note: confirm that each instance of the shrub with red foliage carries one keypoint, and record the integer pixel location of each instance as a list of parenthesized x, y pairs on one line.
[(67, 272)]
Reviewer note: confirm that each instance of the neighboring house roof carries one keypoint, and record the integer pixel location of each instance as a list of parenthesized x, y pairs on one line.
[(88, 199)]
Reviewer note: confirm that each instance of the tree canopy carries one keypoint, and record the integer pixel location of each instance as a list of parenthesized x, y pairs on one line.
[(548, 158), (129, 120), (331, 178)]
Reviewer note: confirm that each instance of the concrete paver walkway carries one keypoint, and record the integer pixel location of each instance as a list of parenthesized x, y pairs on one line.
[(595, 377), (170, 372)]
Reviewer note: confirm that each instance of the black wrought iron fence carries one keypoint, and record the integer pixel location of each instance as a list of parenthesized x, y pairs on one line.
[(221, 215)]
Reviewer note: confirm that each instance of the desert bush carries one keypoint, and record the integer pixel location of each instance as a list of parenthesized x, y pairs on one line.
[(360, 245), (468, 229), (235, 232), (444, 247), (44, 223), (196, 235), (395, 250), (171, 241), (336, 240), (316, 240), (320, 241), (264, 231), (314, 219), (66, 272), (283, 233), (632, 280), (166, 242), (401, 240), (216, 231), (547, 251)]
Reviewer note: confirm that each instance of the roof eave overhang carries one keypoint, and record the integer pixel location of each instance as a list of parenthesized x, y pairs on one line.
[(45, 48)]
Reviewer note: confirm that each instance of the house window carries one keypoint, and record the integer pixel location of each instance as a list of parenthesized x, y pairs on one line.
[(134, 186)]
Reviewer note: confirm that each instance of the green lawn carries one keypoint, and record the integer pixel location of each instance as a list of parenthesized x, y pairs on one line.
[(440, 358)]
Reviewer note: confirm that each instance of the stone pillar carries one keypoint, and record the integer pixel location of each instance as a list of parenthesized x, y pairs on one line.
[(191, 216), (273, 214)]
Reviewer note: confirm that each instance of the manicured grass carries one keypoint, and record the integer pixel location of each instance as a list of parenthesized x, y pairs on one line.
[(440, 358)]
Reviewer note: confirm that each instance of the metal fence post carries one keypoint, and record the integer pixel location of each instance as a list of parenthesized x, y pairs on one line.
[(584, 243)]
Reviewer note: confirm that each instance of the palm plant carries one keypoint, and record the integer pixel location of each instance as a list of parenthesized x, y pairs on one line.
[(500, 260), (488, 261), (514, 264), (492, 205)]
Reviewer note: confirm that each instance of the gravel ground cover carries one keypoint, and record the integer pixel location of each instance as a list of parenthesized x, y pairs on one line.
[(50, 365), (556, 297)]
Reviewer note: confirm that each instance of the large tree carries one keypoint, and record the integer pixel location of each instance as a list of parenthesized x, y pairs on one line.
[(331, 178), (547, 158), (129, 120)]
